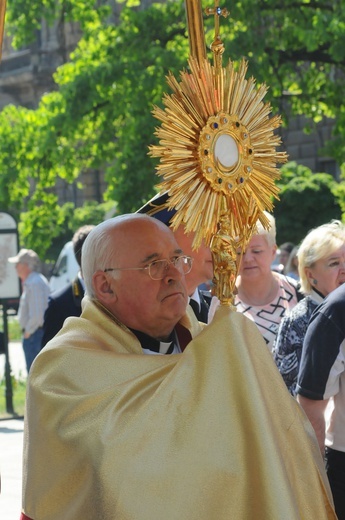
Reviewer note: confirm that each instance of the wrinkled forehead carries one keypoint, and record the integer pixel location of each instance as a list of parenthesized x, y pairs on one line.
[(140, 239)]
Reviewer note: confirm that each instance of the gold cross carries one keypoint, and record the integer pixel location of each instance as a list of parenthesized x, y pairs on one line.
[(217, 12)]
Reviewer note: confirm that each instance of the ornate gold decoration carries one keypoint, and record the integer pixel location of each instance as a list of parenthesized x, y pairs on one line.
[(218, 157), (224, 251)]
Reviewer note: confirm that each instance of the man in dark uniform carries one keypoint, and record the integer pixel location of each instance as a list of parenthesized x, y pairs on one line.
[(202, 271), (66, 301)]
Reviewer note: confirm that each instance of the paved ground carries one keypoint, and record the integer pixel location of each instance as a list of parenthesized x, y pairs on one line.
[(11, 445)]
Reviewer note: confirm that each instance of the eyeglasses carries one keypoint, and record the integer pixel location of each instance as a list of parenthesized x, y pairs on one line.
[(158, 268)]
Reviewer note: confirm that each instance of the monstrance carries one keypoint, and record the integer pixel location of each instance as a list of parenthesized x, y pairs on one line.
[(217, 150)]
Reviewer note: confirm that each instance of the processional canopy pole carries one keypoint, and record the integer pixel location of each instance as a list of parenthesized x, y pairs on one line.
[(2, 22), (217, 151)]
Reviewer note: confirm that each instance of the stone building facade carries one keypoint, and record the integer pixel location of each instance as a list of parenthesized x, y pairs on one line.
[(306, 148)]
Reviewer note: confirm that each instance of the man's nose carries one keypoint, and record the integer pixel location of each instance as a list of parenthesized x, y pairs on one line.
[(172, 273)]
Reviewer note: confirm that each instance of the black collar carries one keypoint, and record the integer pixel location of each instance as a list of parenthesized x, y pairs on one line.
[(149, 343)]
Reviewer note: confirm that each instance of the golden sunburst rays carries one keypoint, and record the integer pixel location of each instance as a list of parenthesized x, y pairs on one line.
[(217, 150)]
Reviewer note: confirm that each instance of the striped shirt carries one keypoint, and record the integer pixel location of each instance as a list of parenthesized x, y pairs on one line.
[(268, 317)]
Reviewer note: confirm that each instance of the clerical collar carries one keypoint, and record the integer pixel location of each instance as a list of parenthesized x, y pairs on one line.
[(148, 344), (156, 346)]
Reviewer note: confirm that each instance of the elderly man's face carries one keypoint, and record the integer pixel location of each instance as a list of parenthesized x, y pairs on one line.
[(23, 270), (150, 306)]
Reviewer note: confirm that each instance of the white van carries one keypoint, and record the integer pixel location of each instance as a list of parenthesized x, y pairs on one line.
[(65, 269)]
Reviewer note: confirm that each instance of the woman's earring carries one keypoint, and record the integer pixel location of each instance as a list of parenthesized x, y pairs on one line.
[(315, 282)]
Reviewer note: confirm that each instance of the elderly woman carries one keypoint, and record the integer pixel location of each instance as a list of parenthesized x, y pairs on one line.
[(321, 265), (263, 295)]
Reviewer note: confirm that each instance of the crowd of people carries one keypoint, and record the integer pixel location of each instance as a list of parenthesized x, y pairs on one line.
[(105, 424)]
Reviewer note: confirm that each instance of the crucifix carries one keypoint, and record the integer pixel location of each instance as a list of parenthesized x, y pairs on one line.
[(217, 46), (217, 12)]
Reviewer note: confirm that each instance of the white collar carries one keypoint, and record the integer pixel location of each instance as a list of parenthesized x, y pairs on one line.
[(196, 297)]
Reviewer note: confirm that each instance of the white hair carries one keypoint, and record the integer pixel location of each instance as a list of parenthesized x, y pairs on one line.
[(270, 233), (99, 249)]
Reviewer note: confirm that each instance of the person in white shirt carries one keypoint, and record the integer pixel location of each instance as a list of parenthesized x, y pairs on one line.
[(33, 302)]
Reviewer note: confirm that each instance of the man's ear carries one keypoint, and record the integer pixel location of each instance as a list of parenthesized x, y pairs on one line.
[(104, 289)]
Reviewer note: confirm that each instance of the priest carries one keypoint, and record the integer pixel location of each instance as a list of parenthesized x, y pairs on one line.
[(137, 411)]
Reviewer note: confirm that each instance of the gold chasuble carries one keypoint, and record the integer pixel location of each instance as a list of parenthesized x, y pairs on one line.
[(209, 434)]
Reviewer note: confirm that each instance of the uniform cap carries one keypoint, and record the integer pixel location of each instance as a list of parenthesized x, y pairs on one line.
[(157, 207)]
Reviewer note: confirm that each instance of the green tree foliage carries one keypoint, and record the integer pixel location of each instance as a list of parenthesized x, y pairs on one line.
[(59, 225), (339, 192), (307, 200), (100, 114), (25, 17), (100, 117)]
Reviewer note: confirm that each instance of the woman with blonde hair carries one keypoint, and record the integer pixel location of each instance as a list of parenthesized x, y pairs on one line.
[(263, 295), (321, 266)]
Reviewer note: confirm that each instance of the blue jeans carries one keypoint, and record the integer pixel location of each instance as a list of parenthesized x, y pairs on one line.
[(32, 346)]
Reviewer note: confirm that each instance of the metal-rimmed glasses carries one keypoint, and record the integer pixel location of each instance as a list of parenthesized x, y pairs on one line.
[(158, 268)]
